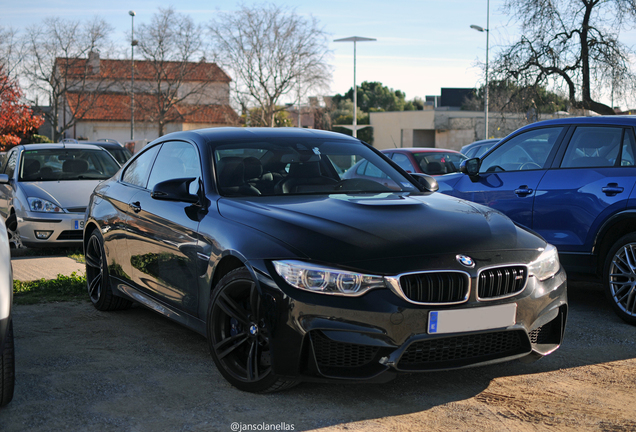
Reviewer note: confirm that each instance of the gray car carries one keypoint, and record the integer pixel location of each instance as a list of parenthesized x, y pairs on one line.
[(7, 363), (45, 188)]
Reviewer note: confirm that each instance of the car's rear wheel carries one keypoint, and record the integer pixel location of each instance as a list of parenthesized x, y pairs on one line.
[(620, 277), (97, 277), (239, 337), (12, 231), (7, 369)]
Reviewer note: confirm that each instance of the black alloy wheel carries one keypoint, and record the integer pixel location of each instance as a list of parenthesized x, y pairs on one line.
[(619, 277), (238, 335), (97, 278), (12, 231)]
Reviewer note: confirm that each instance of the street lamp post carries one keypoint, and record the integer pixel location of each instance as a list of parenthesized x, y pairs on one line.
[(487, 30), (133, 42), (355, 39)]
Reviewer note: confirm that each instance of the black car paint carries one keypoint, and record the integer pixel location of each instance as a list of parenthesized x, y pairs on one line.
[(199, 241)]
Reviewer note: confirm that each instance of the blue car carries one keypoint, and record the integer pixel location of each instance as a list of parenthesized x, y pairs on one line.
[(572, 181)]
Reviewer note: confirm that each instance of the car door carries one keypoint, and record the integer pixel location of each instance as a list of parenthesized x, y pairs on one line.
[(162, 237), (509, 175), (590, 180)]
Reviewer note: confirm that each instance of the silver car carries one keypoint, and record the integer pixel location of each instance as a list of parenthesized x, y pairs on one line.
[(45, 188), (7, 363)]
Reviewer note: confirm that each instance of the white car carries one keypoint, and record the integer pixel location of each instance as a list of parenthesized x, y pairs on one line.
[(45, 188), (7, 363)]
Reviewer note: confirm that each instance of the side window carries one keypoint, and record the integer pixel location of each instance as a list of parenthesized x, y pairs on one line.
[(527, 151), (137, 172), (176, 160), (403, 161), (627, 158), (373, 171), (9, 168), (593, 147)]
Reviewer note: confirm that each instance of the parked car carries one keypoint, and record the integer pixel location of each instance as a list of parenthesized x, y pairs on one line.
[(252, 238), (45, 188), (572, 181), (7, 359), (432, 161), (478, 148), (118, 150)]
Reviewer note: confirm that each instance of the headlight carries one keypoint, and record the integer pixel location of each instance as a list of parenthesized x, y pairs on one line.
[(547, 265), (326, 280), (42, 205)]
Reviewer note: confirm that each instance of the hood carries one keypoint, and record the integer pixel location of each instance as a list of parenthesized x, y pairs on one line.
[(347, 229), (68, 194)]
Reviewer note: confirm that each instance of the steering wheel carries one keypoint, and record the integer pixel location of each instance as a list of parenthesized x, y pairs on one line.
[(529, 166)]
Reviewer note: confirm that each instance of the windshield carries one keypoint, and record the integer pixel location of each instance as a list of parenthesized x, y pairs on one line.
[(121, 154), (304, 167), (439, 163), (66, 164)]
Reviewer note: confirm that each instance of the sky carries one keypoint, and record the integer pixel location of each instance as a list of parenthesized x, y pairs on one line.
[(422, 45)]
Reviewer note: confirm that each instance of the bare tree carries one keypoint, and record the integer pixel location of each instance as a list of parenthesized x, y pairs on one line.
[(570, 43), (57, 64), (11, 51), (269, 51), (175, 80)]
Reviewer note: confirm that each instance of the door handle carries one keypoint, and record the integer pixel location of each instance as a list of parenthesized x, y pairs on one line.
[(523, 191), (612, 189), (135, 206)]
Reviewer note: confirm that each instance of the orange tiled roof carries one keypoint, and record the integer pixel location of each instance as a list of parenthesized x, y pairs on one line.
[(116, 107), (144, 70)]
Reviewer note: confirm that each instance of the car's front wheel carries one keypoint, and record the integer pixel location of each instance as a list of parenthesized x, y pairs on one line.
[(12, 231), (239, 337), (619, 277), (7, 369), (97, 277)]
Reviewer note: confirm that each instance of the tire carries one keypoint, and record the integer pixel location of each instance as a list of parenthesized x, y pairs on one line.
[(12, 231), (238, 335), (619, 277), (97, 277), (7, 369)]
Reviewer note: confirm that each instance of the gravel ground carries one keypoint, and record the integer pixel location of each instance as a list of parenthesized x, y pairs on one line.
[(79, 369)]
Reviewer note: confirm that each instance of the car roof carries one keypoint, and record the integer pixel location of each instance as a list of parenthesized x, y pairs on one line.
[(49, 146), (618, 120), (420, 150), (246, 134)]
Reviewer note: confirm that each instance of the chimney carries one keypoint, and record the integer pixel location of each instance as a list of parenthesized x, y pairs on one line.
[(93, 62)]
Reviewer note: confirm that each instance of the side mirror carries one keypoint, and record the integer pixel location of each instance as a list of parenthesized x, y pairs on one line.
[(4, 179), (175, 190), (470, 167), (426, 181)]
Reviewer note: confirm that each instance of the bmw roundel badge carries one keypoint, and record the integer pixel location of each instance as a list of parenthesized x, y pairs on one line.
[(466, 261)]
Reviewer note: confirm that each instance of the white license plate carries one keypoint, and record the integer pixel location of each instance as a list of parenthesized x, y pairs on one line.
[(78, 224), (473, 319)]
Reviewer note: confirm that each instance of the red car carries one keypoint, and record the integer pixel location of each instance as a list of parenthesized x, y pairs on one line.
[(432, 161)]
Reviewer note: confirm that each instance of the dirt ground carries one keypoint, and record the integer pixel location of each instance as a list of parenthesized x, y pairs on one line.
[(83, 370)]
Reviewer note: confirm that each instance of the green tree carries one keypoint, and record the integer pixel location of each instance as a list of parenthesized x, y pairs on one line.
[(374, 97)]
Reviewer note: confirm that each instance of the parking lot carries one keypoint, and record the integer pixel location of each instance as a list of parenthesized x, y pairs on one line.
[(79, 369)]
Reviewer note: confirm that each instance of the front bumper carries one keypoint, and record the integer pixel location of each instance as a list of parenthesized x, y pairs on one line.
[(377, 335), (66, 229)]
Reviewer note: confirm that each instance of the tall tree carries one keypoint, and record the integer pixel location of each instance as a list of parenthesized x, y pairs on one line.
[(508, 97), (270, 52), (16, 118), (373, 96), (573, 43), (56, 65), (11, 51), (175, 79)]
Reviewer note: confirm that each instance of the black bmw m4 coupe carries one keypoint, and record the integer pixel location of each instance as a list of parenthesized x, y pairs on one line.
[(295, 271)]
